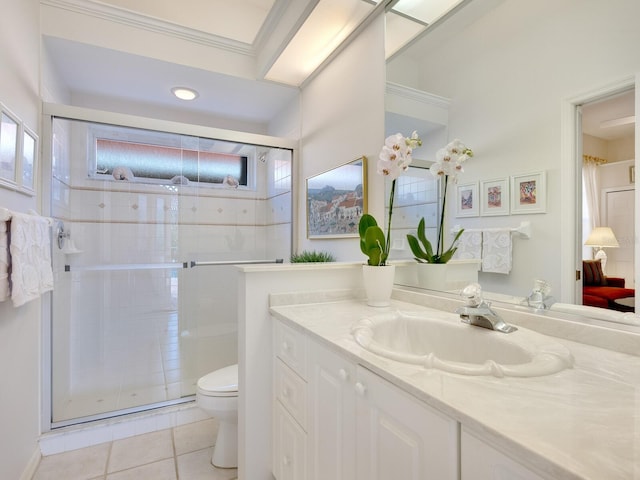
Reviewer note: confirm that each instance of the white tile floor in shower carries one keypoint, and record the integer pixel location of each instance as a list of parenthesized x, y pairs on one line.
[(179, 453), (138, 357)]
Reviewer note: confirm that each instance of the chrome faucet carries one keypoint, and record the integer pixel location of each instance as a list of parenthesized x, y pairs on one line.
[(539, 297), (478, 312)]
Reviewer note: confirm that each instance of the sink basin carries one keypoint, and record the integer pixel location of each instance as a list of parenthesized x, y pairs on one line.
[(442, 341)]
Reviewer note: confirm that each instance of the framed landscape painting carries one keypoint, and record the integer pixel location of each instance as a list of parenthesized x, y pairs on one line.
[(336, 199)]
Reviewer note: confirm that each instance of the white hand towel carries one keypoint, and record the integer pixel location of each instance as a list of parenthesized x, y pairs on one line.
[(4, 261), (469, 246), (30, 248), (496, 250)]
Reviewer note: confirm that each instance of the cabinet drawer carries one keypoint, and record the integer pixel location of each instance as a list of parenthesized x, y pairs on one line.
[(290, 348), (291, 390), (289, 448)]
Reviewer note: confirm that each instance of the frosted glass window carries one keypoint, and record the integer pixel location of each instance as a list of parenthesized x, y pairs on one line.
[(416, 186), (164, 163)]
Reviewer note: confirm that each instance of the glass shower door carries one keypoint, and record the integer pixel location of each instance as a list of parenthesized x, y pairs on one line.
[(135, 322)]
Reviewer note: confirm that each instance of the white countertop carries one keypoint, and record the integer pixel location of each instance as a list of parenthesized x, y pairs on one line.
[(581, 423)]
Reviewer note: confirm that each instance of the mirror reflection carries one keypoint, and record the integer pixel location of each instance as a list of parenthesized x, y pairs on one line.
[(543, 99)]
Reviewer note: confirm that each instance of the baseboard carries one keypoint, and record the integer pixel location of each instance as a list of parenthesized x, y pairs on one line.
[(32, 466)]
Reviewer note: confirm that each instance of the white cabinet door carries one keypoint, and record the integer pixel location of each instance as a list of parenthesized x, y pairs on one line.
[(483, 462), (289, 452), (332, 406), (400, 437)]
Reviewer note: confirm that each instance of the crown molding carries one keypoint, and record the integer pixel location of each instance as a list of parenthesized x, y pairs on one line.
[(126, 17), (416, 95)]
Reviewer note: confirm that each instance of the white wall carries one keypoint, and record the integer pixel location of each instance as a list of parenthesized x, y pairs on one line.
[(19, 327), (507, 74), (342, 119)]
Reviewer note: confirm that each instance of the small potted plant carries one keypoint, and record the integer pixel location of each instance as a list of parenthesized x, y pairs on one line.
[(448, 166)]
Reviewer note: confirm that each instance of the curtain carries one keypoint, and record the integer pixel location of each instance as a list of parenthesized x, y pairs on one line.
[(590, 196)]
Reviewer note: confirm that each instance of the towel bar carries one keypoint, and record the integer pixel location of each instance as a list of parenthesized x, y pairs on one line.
[(235, 262)]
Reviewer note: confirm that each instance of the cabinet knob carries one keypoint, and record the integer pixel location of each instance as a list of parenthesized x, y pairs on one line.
[(286, 460), (344, 375), (285, 346), (285, 392), (360, 389)]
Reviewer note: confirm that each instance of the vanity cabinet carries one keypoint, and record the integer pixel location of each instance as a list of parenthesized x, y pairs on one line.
[(332, 419), (352, 423), (480, 461), (290, 404), (401, 437)]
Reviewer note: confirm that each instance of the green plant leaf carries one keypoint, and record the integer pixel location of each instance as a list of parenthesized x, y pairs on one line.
[(424, 253), (373, 245), (366, 221), (418, 253), (423, 238)]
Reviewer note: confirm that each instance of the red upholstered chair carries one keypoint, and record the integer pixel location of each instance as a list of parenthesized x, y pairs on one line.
[(599, 290)]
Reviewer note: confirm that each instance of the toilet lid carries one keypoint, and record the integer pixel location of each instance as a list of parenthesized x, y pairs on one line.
[(224, 380)]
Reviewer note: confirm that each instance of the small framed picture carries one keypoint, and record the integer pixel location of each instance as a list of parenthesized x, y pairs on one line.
[(529, 193), (29, 161), (494, 197), (9, 142), (467, 200)]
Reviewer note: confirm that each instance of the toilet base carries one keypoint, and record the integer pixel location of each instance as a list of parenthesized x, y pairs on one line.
[(225, 451)]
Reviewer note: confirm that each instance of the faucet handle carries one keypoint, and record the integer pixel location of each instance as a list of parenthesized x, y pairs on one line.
[(472, 295)]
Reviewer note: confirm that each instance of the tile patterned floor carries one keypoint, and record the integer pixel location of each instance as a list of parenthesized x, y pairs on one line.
[(180, 453)]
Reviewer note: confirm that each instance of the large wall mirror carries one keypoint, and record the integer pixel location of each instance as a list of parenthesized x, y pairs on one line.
[(534, 88)]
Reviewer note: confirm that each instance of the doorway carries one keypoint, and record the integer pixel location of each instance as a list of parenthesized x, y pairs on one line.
[(607, 166)]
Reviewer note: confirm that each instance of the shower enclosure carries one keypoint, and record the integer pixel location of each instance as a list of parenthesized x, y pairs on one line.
[(150, 224)]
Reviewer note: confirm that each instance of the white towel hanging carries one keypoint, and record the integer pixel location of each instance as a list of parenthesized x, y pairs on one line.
[(30, 250), (4, 259), (496, 250), (469, 245)]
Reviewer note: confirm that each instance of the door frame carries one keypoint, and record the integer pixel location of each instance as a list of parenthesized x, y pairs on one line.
[(571, 179)]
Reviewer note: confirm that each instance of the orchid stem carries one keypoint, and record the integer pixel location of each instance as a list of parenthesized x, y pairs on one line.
[(388, 242), (440, 232)]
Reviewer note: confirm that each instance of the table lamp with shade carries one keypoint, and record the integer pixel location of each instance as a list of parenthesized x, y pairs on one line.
[(602, 237)]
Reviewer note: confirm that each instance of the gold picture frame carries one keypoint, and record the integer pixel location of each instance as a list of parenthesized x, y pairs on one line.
[(336, 199)]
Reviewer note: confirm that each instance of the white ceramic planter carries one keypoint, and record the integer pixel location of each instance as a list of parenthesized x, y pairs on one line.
[(378, 284), (454, 275)]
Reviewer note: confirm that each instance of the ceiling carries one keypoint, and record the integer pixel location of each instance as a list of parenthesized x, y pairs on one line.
[(91, 70), (617, 111), (87, 69)]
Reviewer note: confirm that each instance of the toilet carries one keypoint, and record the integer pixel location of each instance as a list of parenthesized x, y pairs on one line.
[(217, 395)]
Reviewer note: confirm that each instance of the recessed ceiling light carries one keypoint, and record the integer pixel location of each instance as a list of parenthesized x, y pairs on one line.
[(184, 93)]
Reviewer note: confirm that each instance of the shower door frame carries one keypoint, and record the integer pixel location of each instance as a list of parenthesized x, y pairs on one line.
[(51, 111)]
